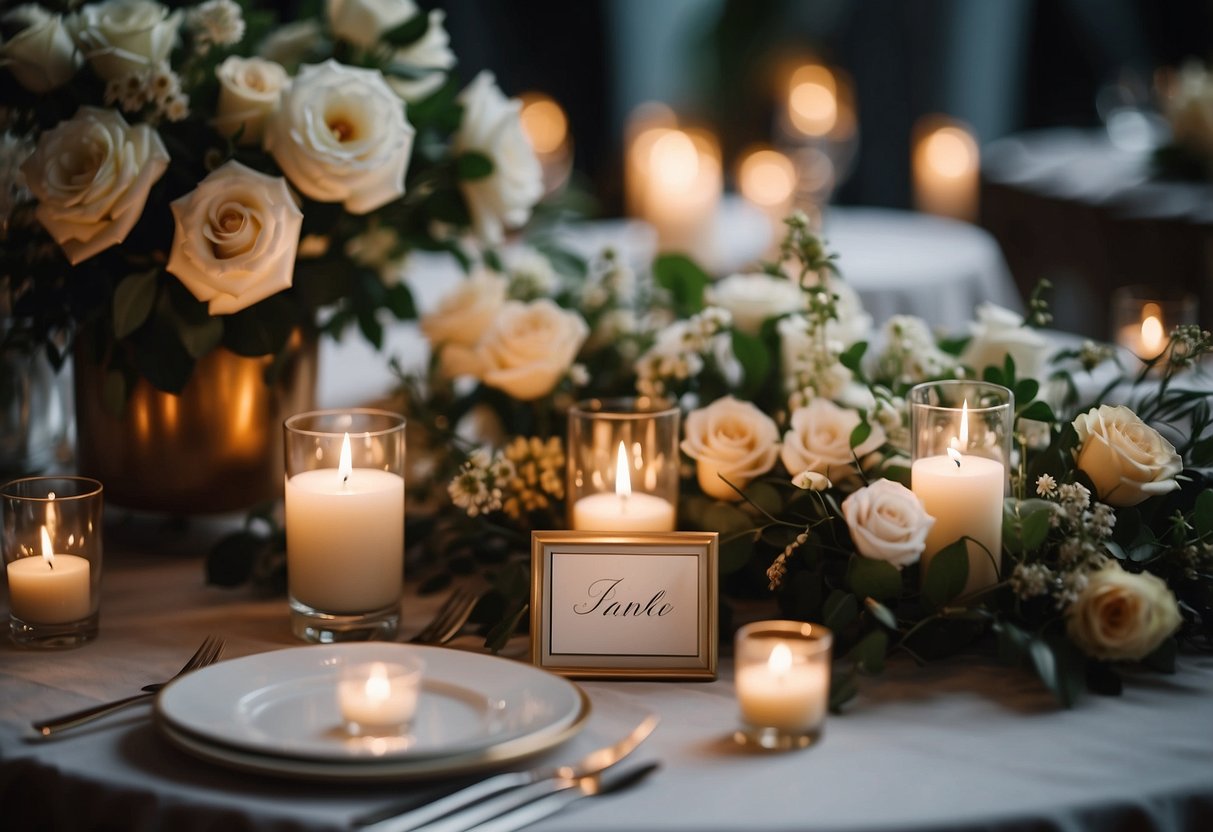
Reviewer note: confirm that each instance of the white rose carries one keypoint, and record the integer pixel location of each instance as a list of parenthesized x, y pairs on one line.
[(529, 347), (120, 37), (1122, 616), (753, 298), (41, 56), (467, 312), (732, 439), (236, 238), (491, 126), (249, 89), (431, 56), (811, 481), (999, 332), (291, 43), (340, 135), (91, 175), (1126, 459), (362, 22), (819, 440), (887, 522), (1190, 109)]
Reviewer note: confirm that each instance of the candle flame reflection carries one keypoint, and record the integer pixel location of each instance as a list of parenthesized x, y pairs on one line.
[(345, 466), (780, 661), (623, 479), (378, 687)]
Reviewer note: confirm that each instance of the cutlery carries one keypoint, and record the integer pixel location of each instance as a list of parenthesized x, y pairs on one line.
[(595, 785), (206, 654), (449, 619), (518, 787)]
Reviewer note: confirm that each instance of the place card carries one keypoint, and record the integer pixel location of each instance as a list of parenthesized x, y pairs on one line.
[(640, 605)]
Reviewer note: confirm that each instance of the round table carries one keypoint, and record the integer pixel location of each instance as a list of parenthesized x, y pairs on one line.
[(962, 744)]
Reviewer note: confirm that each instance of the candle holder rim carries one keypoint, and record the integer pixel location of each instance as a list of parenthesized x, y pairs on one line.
[(398, 421), (94, 488), (818, 635), (597, 407), (1153, 293), (914, 397)]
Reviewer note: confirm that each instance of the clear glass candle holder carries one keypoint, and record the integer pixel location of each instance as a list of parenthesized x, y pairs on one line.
[(52, 555), (783, 683), (345, 524), (623, 465), (1144, 316), (379, 699), (960, 448)]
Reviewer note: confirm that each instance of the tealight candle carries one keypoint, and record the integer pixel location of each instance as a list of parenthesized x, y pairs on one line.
[(52, 546), (345, 524), (623, 465), (783, 683), (959, 470), (379, 698), (1144, 316), (946, 169)]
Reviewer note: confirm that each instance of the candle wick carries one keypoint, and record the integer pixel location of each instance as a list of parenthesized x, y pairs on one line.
[(51, 564), (345, 480), (957, 461)]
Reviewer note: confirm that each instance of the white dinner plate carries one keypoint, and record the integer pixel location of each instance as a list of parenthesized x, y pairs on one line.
[(474, 710)]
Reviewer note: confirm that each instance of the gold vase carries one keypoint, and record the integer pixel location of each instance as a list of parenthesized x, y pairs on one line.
[(216, 447)]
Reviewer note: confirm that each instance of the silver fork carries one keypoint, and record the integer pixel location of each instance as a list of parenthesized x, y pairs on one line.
[(449, 619), (207, 654)]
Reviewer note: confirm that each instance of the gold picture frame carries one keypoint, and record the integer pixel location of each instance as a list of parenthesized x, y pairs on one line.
[(635, 605)]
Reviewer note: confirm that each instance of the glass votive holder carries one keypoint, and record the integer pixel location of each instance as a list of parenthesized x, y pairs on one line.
[(783, 683), (623, 465), (960, 449), (345, 524), (379, 699), (52, 554), (1144, 316)]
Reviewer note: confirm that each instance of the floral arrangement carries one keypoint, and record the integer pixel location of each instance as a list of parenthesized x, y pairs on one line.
[(182, 179), (796, 450)]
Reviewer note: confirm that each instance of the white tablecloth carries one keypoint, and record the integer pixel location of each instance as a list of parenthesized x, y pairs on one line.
[(963, 744)]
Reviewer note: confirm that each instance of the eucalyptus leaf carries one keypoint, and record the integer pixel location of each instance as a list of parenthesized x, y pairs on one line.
[(1038, 412), (869, 652), (765, 496), (839, 610), (852, 358), (199, 339), (471, 165), (860, 434), (844, 685), (873, 578), (684, 280), (755, 362), (134, 298), (946, 576)]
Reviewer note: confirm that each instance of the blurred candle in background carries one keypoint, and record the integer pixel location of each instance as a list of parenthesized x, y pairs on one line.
[(818, 131), (946, 165), (547, 128), (813, 100), (767, 179)]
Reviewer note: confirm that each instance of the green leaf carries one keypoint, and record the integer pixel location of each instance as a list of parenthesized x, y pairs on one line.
[(399, 299), (684, 280), (873, 578), (735, 552), (408, 32), (1026, 524), (1038, 412), (472, 165), (852, 359), (199, 339), (133, 301), (497, 638), (860, 434), (1026, 390), (1012, 642), (261, 329), (946, 576), (839, 610), (765, 496), (869, 652), (1060, 667), (881, 613), (844, 685), (755, 362)]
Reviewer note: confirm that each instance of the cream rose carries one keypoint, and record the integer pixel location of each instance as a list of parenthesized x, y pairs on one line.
[(820, 440), (732, 439), (467, 312), (291, 43), (431, 57), (753, 298), (119, 37), (491, 126), (1127, 459), (236, 237), (249, 89), (887, 522), (1122, 616), (999, 332), (91, 175), (362, 22), (340, 135), (41, 56), (529, 347)]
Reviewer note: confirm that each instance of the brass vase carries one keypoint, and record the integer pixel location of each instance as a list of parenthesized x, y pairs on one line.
[(216, 447)]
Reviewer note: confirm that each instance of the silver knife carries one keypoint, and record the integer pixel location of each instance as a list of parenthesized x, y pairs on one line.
[(525, 785), (592, 786)]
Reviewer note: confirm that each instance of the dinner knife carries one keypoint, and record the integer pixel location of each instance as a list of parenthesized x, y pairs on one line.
[(525, 786), (592, 786)]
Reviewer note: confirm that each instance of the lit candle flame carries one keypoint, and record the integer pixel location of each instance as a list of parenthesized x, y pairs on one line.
[(378, 687), (780, 661), (954, 455), (345, 466), (48, 553), (1151, 335), (623, 480)]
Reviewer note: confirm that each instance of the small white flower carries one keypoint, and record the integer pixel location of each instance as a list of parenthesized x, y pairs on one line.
[(1046, 486), (811, 481), (216, 23)]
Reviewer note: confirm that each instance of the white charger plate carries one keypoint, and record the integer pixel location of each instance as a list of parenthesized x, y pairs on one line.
[(280, 709)]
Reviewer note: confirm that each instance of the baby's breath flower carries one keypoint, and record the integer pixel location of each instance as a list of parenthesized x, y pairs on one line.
[(1091, 354), (1029, 580), (579, 375), (215, 23), (1046, 486)]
